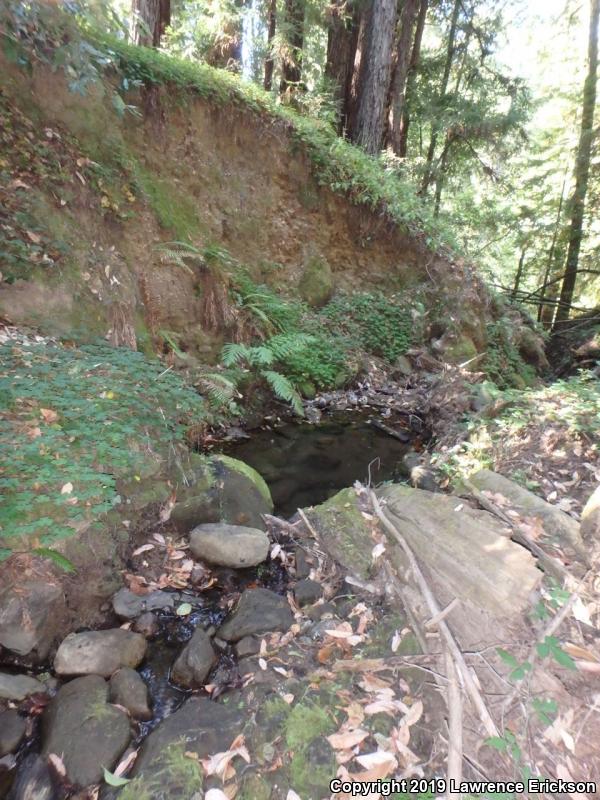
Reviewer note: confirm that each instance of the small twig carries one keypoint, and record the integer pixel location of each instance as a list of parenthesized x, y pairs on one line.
[(431, 623), (434, 609), (455, 728), (305, 520)]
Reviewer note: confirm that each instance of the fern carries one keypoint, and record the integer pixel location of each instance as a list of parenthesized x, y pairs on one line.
[(234, 353), (178, 252), (284, 389), (220, 390), (170, 338), (288, 344)]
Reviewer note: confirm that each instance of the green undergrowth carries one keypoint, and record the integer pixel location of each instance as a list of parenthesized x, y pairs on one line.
[(74, 421), (503, 363)]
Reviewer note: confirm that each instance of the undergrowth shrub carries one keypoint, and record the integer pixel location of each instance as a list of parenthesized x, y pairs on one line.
[(503, 362), (377, 324), (74, 421)]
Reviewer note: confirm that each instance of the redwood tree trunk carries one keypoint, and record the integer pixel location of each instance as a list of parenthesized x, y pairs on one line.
[(291, 67), (270, 60), (150, 20), (582, 170), (342, 38), (372, 74), (410, 83), (401, 66)]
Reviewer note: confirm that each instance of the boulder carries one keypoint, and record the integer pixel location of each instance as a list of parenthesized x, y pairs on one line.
[(12, 731), (200, 726), (558, 525), (229, 545), (316, 284), (258, 611), (127, 689), (128, 605), (84, 730), (248, 646), (307, 592), (147, 625), (99, 652), (18, 687), (31, 616), (220, 489), (195, 661)]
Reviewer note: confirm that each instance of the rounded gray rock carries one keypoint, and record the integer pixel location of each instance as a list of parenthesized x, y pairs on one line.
[(195, 661), (18, 687), (258, 611), (127, 689), (226, 545), (99, 652), (12, 731)]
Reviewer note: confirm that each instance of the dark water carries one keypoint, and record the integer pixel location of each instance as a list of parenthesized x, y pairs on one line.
[(306, 464)]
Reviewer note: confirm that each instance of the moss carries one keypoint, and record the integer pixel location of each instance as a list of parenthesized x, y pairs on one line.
[(316, 283), (305, 723), (255, 788), (312, 768), (248, 472), (174, 211)]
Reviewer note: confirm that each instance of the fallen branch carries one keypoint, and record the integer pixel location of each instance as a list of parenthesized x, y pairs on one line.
[(455, 727), (445, 631)]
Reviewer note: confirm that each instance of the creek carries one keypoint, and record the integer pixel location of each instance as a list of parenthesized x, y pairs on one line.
[(304, 464)]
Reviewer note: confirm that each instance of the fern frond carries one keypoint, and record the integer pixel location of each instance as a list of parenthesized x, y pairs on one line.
[(285, 345), (233, 353), (262, 356), (284, 389), (177, 253), (220, 390)]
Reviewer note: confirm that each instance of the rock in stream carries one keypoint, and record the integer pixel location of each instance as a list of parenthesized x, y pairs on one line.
[(99, 652), (258, 611), (235, 546)]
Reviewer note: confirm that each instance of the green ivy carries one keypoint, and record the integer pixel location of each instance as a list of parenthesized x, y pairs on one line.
[(74, 421)]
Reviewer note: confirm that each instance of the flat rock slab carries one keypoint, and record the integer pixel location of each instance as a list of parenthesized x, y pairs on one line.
[(195, 661), (258, 611), (84, 730), (235, 546), (307, 592), (12, 731), (556, 523), (128, 605), (99, 652), (18, 687), (128, 689)]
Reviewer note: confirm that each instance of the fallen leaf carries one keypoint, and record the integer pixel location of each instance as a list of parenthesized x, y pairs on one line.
[(396, 639), (48, 415), (378, 765), (67, 488), (142, 549), (291, 795), (34, 237), (126, 763), (346, 740), (215, 794), (184, 609), (58, 764)]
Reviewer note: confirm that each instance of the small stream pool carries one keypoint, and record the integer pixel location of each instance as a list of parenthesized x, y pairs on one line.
[(305, 464)]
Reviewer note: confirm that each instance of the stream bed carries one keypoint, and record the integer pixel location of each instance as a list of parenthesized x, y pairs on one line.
[(304, 464)]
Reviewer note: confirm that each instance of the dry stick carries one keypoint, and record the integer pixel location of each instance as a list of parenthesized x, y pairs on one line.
[(434, 609), (455, 728)]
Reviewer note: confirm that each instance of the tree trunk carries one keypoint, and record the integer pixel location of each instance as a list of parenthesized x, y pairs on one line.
[(582, 170), (435, 128), (226, 52), (342, 38), (270, 59), (542, 308), (400, 72), (150, 20), (412, 74), (291, 67), (372, 74), (519, 274)]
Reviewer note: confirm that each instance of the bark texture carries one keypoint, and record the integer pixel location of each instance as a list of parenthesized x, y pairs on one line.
[(415, 55), (582, 170), (271, 29), (150, 20), (372, 74), (400, 69), (291, 66), (342, 38)]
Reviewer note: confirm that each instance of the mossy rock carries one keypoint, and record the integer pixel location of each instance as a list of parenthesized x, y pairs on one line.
[(344, 532), (220, 489), (316, 284), (460, 350)]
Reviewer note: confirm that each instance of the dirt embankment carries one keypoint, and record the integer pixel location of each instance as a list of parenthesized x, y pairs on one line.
[(227, 176)]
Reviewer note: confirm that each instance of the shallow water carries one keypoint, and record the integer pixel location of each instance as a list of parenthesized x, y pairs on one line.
[(305, 464)]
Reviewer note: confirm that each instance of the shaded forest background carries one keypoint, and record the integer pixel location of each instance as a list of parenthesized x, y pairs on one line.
[(486, 108)]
